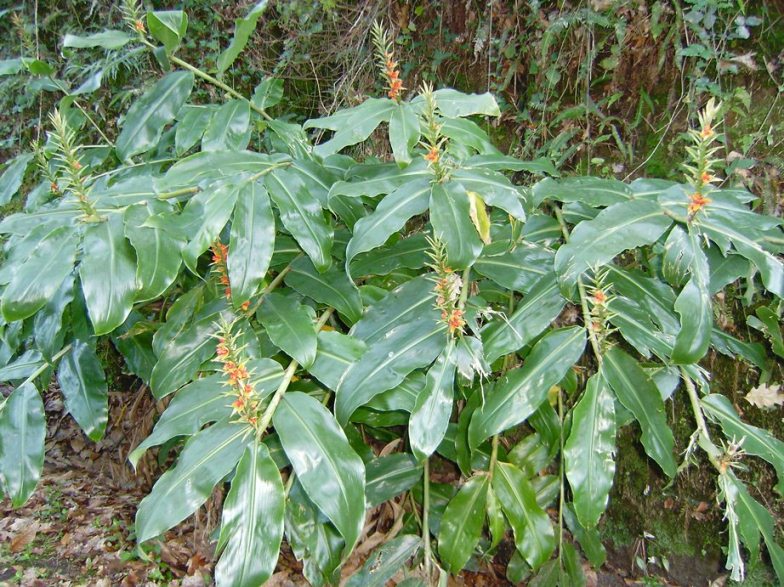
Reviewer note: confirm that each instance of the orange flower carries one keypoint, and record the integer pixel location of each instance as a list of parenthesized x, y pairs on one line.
[(238, 403), (707, 132), (245, 305), (599, 297), (432, 155), (698, 201), (139, 26), (707, 177), (455, 321), (76, 165)]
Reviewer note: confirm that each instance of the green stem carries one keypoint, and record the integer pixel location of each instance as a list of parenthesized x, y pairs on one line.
[(177, 193), (59, 355), (461, 302), (214, 81), (426, 519), (494, 455), (706, 443), (272, 286), (562, 493)]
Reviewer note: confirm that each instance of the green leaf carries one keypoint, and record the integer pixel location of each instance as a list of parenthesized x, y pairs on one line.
[(205, 168), (252, 242), (186, 350), (268, 93), (389, 476), (770, 325), (335, 354), (325, 464), (38, 279), (589, 451), (147, 117), (158, 253), (538, 309), (451, 220), (229, 128), (22, 367), (374, 179), (622, 226), (195, 405), (534, 535), (48, 328), (496, 522), (252, 521), (243, 28), (108, 274), (10, 66), (12, 177), (494, 188), (478, 214), (109, 39), (302, 216), (204, 217), (22, 431), (430, 416), (403, 132), (694, 306), (352, 125), (386, 561), (635, 390), (332, 288), (206, 458), (519, 268), (191, 127), (454, 104), (409, 346), (409, 252), (756, 441), (290, 325), (391, 215), (462, 522), (83, 383), (590, 540), (168, 27), (592, 191), (521, 391)]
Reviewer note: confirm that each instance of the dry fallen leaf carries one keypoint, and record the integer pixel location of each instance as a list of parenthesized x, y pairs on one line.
[(23, 538), (765, 396)]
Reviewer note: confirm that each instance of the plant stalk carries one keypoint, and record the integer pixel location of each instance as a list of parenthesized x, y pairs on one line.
[(426, 519)]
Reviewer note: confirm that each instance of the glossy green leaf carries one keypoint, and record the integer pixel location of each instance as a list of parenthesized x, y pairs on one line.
[(409, 253), (147, 117), (10, 66), (384, 366), (290, 325), (268, 93), (22, 367), (521, 391), (314, 541), (496, 522), (206, 458), (431, 413), (335, 354), (589, 451), (83, 384), (48, 328), (302, 216), (451, 220), (186, 350), (252, 242), (590, 540), (195, 405), (636, 326), (593, 191), (22, 431), (243, 29), (389, 476), (494, 188), (204, 217), (454, 104), (352, 125), (229, 128), (158, 256), (190, 127), (252, 521), (538, 309), (377, 179), (534, 535), (108, 274), (327, 467), (391, 215), (622, 226), (462, 523), (635, 390), (109, 39), (177, 318), (12, 177), (168, 27), (518, 268), (694, 306), (201, 169), (401, 398), (386, 562), (38, 279), (332, 288), (756, 441), (403, 132)]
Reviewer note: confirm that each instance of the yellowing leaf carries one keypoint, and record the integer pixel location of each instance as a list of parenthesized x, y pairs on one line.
[(479, 216), (765, 396)]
